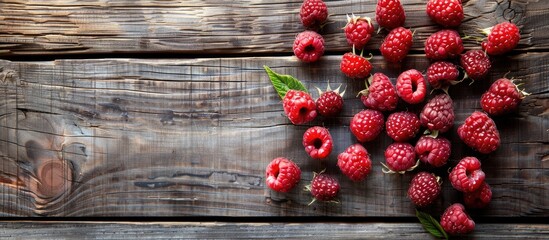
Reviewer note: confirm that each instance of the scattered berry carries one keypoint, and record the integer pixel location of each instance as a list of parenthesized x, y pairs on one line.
[(476, 64), (309, 46), (442, 74), (355, 162), (313, 13), (402, 126), (443, 44), (479, 198), (433, 151), (299, 106), (381, 95), (467, 176), (400, 157), (323, 187), (438, 114), (448, 13), (330, 102), (396, 44), (355, 66), (424, 189), (318, 142), (502, 97), (367, 125), (480, 133), (282, 174), (390, 14), (455, 220), (358, 31), (502, 38), (411, 87)]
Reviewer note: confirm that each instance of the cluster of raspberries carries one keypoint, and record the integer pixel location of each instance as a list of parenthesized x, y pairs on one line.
[(444, 48)]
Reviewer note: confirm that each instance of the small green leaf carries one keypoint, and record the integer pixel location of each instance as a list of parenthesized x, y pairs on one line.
[(431, 225), (283, 83)]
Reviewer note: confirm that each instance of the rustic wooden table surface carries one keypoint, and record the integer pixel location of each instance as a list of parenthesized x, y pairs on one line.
[(134, 119)]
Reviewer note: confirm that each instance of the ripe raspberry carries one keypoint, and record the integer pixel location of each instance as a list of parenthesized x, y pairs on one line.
[(424, 189), (381, 95), (479, 198), (467, 176), (308, 46), (390, 14), (367, 125), (323, 187), (442, 74), (502, 38), (456, 221), (282, 174), (299, 106), (434, 151), (330, 103), (443, 44), (476, 64), (355, 66), (402, 126), (313, 13), (480, 133), (397, 44), (411, 86), (400, 157), (448, 13), (438, 114), (318, 142), (502, 97), (358, 31), (355, 162)]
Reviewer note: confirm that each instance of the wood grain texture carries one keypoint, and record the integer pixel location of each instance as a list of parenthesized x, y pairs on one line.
[(224, 230), (131, 137), (228, 27)]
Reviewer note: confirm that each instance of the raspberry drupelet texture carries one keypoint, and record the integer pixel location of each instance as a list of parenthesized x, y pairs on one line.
[(433, 151), (479, 198), (282, 174), (476, 64), (455, 220), (299, 106), (324, 187), (358, 31), (402, 126), (438, 113), (355, 66), (400, 157), (467, 176), (442, 74), (448, 13), (390, 14), (318, 142), (411, 86), (355, 162), (443, 44), (381, 95), (397, 44), (480, 133), (313, 13), (501, 39), (502, 97), (308, 46), (424, 189), (367, 125)]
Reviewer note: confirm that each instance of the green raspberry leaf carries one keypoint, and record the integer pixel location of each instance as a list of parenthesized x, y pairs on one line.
[(284, 83), (431, 225)]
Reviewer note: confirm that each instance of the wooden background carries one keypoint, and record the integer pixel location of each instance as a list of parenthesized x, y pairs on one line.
[(163, 109)]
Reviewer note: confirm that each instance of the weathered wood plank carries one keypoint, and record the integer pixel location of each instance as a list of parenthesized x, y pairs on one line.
[(223, 230), (212, 27), (120, 137)]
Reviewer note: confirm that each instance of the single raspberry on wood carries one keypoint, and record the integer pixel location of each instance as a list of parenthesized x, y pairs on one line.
[(397, 44), (424, 189), (330, 102), (501, 39), (442, 74), (448, 13), (438, 114), (282, 174), (367, 125), (399, 158), (323, 187), (467, 176), (502, 97), (358, 31), (411, 86), (402, 126), (355, 66), (433, 151), (443, 44), (455, 220), (355, 162), (381, 95), (390, 14), (308, 46), (318, 142), (480, 133), (479, 198), (299, 106), (476, 64), (313, 13)]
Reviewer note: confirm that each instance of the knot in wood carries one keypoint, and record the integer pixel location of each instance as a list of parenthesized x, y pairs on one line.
[(54, 178)]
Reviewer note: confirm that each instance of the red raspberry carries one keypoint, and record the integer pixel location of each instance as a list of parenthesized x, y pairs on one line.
[(480, 133), (476, 64), (448, 13), (330, 103), (502, 38), (438, 114), (318, 142), (299, 106), (355, 162), (282, 174), (355, 66), (455, 220), (358, 31), (434, 151), (479, 198), (397, 44), (402, 126), (309, 46), (400, 157), (367, 125), (424, 189), (381, 95), (467, 176), (502, 97), (313, 13), (443, 44), (411, 86), (390, 14), (442, 74), (323, 187)]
